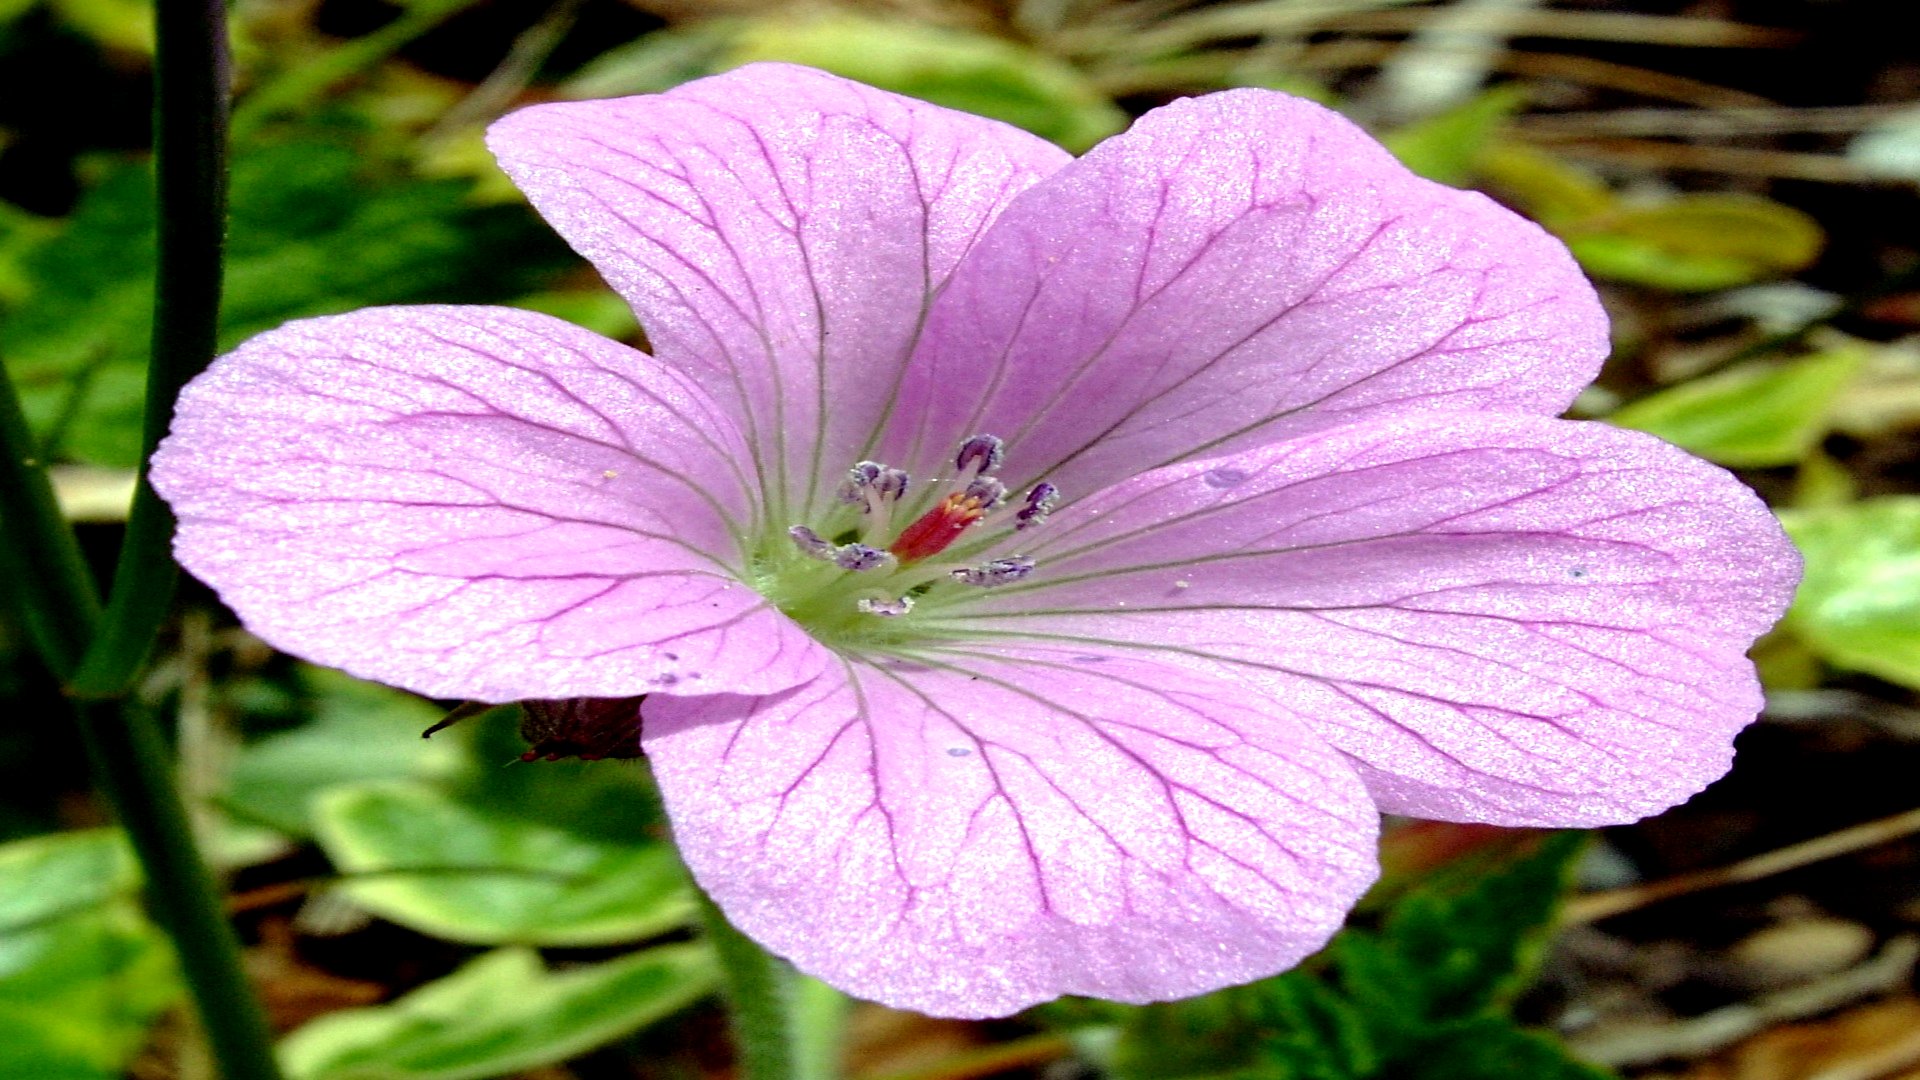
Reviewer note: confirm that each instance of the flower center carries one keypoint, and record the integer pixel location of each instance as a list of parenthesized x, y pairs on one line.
[(855, 577)]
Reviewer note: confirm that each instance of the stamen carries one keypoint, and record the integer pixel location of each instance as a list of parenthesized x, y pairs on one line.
[(891, 484), (1040, 502), (989, 491), (886, 609), (859, 557), (813, 544), (887, 489), (980, 454), (860, 479), (972, 501), (998, 572)]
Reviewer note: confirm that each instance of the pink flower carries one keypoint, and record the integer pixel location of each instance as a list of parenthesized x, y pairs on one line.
[(1042, 571)]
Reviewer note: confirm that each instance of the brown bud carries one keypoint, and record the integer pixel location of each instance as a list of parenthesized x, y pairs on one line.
[(587, 728)]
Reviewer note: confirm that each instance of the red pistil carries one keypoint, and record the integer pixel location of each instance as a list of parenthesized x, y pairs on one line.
[(938, 527)]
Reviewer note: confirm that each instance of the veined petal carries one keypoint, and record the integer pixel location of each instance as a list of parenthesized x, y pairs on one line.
[(989, 829), (1501, 618), (780, 232), (1235, 269), (475, 503)]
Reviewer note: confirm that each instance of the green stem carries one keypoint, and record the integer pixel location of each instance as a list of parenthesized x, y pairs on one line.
[(786, 1026), (190, 91), (44, 570), (132, 764)]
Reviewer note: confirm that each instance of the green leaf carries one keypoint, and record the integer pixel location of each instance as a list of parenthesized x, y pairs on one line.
[(83, 974), (1290, 1026), (1859, 603), (1493, 1047), (1448, 147), (317, 227), (359, 731), (961, 70), (1754, 415), (1696, 242), (1549, 190), (1470, 939), (501, 1014), (470, 873)]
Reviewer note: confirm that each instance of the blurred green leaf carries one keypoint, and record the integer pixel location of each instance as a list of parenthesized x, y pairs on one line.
[(499, 1015), (121, 25), (1822, 481), (1859, 604), (316, 228), (359, 731), (470, 873), (1471, 938), (1290, 1026), (1754, 415), (599, 310), (1494, 1047), (1550, 191), (1448, 147), (83, 975), (1696, 242), (654, 62), (1455, 950), (20, 234), (961, 70)]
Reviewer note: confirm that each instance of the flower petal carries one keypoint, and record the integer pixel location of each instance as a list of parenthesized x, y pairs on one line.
[(475, 503), (984, 831), (780, 232), (1230, 271), (1501, 618)]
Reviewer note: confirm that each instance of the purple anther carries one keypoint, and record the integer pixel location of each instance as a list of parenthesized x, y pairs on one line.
[(998, 572), (886, 609), (1040, 502), (891, 484), (812, 543), (858, 557), (988, 490), (982, 454), (859, 478)]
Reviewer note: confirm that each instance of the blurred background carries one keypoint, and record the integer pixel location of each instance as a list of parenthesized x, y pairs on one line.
[(1738, 175)]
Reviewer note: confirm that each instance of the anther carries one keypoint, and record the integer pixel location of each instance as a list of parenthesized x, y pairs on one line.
[(859, 557), (998, 572), (891, 484), (859, 478), (813, 544), (1040, 502), (886, 609), (980, 454), (986, 490)]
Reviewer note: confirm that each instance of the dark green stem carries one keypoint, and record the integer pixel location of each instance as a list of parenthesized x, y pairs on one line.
[(45, 573), (130, 758), (190, 89), (133, 765), (785, 1025)]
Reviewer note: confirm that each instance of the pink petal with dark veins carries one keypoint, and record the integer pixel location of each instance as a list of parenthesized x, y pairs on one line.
[(475, 503), (1234, 269), (1501, 618), (780, 232), (995, 828)]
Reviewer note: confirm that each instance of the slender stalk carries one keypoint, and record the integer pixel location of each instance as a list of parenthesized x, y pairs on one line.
[(190, 91), (133, 765), (44, 571), (785, 1025), (129, 756)]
